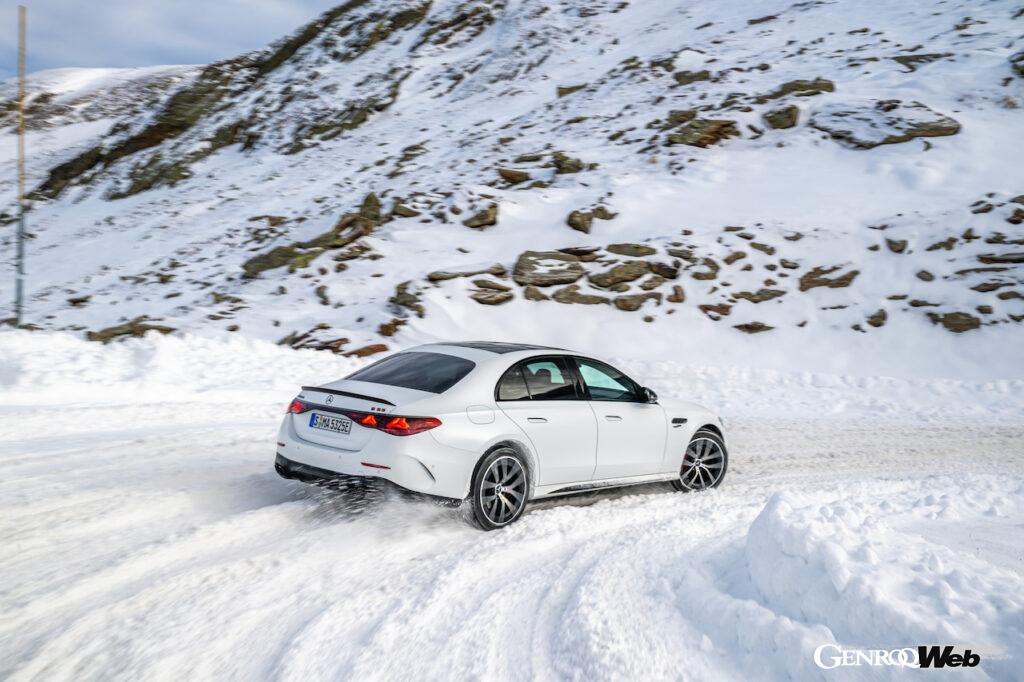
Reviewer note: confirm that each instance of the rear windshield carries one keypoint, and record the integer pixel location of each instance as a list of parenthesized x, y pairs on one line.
[(431, 372)]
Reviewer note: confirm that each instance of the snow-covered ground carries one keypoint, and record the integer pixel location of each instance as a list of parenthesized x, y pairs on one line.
[(144, 534)]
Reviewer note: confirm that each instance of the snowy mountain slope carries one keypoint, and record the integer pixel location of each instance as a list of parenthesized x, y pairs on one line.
[(229, 206), (144, 538)]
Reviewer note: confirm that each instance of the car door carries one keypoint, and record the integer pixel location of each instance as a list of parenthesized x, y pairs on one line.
[(543, 397), (631, 432)]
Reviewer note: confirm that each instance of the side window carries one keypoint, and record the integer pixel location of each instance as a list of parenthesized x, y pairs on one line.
[(549, 379), (607, 383), (512, 385)]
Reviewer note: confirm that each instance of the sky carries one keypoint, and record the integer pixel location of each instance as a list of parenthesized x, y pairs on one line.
[(94, 33)]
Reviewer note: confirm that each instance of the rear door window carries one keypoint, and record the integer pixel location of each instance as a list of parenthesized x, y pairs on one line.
[(430, 372), (512, 385)]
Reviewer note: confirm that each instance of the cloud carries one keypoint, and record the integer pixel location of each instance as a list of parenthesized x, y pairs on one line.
[(146, 32)]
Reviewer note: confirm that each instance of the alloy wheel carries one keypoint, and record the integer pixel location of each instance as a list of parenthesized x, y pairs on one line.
[(503, 490), (703, 464)]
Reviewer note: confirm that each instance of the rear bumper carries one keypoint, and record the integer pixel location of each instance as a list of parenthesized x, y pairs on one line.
[(416, 463)]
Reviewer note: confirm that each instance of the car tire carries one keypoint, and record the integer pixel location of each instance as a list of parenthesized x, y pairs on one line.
[(500, 489), (704, 463)]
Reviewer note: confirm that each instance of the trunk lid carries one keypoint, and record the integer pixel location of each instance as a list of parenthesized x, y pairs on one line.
[(330, 400)]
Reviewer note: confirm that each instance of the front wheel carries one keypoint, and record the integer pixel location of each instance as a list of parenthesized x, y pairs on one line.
[(500, 488), (704, 463)]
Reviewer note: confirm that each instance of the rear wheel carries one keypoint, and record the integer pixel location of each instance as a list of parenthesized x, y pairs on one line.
[(704, 463), (500, 488)]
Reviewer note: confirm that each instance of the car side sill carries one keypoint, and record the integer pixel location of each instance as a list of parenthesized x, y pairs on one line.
[(607, 483)]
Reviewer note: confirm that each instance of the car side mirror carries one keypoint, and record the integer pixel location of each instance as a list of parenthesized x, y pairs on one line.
[(649, 395)]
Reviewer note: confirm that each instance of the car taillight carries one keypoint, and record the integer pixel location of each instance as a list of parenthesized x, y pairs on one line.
[(298, 407), (396, 426)]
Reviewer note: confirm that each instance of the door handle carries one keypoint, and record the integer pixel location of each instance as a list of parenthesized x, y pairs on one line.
[(613, 417), (537, 420)]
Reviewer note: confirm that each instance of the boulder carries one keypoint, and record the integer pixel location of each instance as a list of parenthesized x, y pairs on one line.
[(753, 327), (370, 208), (513, 176), (1017, 63), (799, 88), (631, 250), (622, 272), (403, 211), (546, 268), (571, 294), (878, 319), (817, 278), (783, 117), (635, 301), (498, 270), (484, 218), (760, 296), (532, 293), (956, 322), (580, 221), (704, 132), (566, 164), (872, 123), (491, 297)]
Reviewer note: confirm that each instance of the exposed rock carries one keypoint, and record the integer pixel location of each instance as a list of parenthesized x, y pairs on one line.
[(321, 294), (484, 218), (761, 20), (678, 117), (136, 327), (390, 328), (800, 88), (687, 77), (753, 327), (714, 310), (571, 294), (631, 250), (498, 270), (491, 297), (925, 276), (878, 319), (546, 268), (956, 322), (1002, 257), (405, 298), (532, 293), (760, 296), (566, 164), (403, 211), (874, 123), (734, 256), (677, 295), (710, 273), (370, 208), (704, 132), (816, 278), (1017, 63), (984, 309), (635, 301), (946, 245), (586, 254), (602, 213), (528, 158), (896, 245), (664, 270), (513, 176), (763, 248), (366, 351), (652, 282), (1017, 217), (349, 227), (491, 284), (789, 264), (78, 301), (912, 61), (783, 117), (564, 90), (580, 221), (622, 272)]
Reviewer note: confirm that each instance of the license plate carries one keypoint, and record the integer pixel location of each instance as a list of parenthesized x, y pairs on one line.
[(330, 423)]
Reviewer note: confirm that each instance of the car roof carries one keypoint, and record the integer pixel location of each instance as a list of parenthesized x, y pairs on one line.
[(481, 351)]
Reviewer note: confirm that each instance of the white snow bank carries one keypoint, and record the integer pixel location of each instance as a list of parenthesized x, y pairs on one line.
[(61, 368)]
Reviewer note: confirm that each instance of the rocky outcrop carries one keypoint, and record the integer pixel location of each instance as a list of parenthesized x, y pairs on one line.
[(869, 124), (620, 273), (704, 132), (783, 117), (546, 268), (571, 294), (817, 278), (485, 218), (136, 327)]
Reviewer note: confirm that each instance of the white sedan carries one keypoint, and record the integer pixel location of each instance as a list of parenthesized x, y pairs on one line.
[(498, 424)]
